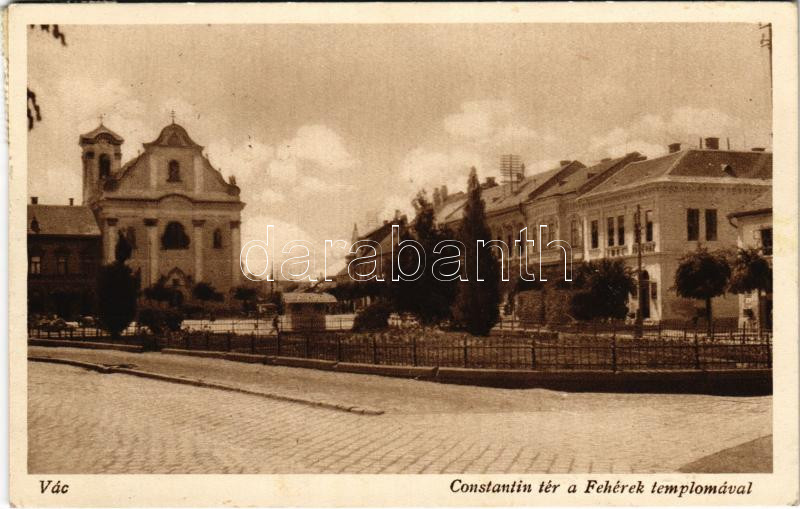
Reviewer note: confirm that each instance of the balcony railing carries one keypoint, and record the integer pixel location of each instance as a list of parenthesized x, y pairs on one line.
[(647, 247), (616, 251)]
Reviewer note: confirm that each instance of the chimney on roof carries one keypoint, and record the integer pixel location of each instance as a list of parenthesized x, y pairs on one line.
[(758, 149), (443, 192), (564, 162), (71, 202), (490, 182), (674, 147), (396, 214), (34, 200), (712, 143)]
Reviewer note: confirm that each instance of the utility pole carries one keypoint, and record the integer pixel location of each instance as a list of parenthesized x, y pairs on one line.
[(637, 231), (766, 42)]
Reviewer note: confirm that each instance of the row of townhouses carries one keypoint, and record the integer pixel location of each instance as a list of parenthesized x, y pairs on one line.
[(688, 198)]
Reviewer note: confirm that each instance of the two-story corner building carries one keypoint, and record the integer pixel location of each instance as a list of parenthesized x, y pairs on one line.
[(553, 205), (179, 214), (64, 253), (753, 225), (684, 198)]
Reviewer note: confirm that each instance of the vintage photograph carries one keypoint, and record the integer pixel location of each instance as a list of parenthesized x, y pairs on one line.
[(402, 248)]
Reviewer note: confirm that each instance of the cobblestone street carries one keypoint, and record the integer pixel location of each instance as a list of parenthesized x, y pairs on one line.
[(115, 423)]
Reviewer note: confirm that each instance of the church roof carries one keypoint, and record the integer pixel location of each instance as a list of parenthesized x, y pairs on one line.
[(62, 220), (92, 135), (173, 135)]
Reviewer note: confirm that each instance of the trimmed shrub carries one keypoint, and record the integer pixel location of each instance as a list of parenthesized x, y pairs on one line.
[(373, 317)]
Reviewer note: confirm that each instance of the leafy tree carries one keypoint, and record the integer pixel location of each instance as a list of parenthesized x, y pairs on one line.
[(159, 291), (118, 288), (602, 289), (373, 317), (247, 296), (428, 298), (206, 293), (702, 275), (476, 304), (750, 272)]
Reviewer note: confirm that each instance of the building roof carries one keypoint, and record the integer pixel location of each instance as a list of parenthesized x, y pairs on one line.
[(582, 178), (501, 197), (62, 220), (173, 135), (761, 205), (308, 298), (692, 165), (101, 130)]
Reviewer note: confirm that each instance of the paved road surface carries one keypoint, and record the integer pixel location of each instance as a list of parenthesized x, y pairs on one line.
[(86, 422)]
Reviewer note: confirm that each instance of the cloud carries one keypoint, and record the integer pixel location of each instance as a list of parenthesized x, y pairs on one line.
[(650, 134), (489, 121), (423, 168)]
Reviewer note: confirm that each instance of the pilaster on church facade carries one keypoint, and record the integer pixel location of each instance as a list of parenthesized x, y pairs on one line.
[(179, 214)]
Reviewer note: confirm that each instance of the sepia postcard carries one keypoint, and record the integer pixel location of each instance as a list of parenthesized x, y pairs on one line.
[(403, 255)]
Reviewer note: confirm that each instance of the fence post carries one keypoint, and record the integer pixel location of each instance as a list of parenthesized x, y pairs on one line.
[(208, 340), (414, 350), (253, 342), (466, 358), (188, 334), (696, 349), (339, 346), (230, 337), (374, 350), (279, 342), (308, 340), (533, 354)]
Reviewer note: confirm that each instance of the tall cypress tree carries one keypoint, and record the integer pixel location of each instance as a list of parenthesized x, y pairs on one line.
[(476, 306)]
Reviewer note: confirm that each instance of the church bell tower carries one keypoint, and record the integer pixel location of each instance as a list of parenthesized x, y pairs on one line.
[(101, 157)]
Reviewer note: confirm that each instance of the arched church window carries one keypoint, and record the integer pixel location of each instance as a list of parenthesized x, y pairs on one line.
[(105, 165), (174, 171), (174, 237), (217, 239)]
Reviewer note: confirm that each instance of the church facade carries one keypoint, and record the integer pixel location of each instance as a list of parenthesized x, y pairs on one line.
[(179, 214)]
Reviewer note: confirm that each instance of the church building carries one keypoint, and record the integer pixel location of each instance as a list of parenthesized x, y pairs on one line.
[(177, 211)]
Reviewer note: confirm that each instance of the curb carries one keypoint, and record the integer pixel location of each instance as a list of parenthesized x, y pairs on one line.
[(84, 344), (210, 385)]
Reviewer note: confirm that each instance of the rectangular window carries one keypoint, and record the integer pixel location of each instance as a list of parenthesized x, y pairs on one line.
[(711, 224), (648, 226), (61, 265), (610, 231), (574, 233), (621, 230), (693, 224), (595, 235), (766, 241), (35, 266)]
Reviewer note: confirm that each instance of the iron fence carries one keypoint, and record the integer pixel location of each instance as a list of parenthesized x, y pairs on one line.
[(600, 348)]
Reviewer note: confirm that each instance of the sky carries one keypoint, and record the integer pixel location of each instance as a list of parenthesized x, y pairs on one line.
[(325, 126)]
